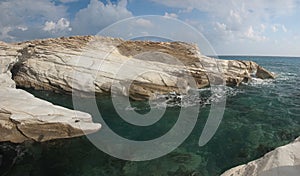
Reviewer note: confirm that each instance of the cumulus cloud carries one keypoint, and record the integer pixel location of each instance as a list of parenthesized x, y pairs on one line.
[(143, 23), (68, 1), (237, 20), (26, 16), (170, 15), (274, 28), (278, 27), (60, 26), (31, 19), (254, 35), (98, 15), (220, 7)]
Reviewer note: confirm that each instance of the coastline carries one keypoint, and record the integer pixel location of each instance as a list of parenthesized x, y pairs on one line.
[(31, 53)]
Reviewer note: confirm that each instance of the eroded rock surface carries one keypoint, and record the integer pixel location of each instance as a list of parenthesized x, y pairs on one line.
[(139, 69), (284, 160), (25, 117)]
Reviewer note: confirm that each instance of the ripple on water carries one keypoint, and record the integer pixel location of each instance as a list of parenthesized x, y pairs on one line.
[(296, 103), (294, 111)]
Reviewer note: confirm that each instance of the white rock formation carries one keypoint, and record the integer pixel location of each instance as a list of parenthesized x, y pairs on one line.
[(25, 117), (283, 161), (139, 69)]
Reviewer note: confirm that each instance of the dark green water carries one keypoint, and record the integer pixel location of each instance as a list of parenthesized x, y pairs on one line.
[(259, 117)]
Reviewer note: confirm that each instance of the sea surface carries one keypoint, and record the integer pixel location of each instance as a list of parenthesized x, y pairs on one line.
[(259, 116)]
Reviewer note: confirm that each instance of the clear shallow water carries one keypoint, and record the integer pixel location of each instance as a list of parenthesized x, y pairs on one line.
[(259, 117)]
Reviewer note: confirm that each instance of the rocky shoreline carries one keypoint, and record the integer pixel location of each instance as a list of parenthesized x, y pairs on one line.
[(284, 160), (24, 117), (140, 69), (98, 64)]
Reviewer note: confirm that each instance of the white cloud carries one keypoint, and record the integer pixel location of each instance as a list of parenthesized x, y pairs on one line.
[(170, 15), (235, 16), (232, 20), (221, 26), (98, 15), (61, 25), (68, 1), (144, 23), (278, 27), (26, 16), (254, 35), (22, 28), (31, 19), (284, 28), (221, 32), (221, 7), (275, 28), (4, 33), (263, 27)]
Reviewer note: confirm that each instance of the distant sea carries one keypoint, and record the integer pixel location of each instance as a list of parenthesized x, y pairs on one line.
[(259, 116)]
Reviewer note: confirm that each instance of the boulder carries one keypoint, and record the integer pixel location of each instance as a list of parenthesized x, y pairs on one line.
[(264, 74)]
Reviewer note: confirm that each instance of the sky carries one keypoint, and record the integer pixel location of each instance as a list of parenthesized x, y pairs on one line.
[(232, 27)]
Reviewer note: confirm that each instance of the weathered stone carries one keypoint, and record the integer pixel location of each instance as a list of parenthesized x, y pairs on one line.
[(283, 160), (24, 117), (94, 64), (9, 130), (264, 74), (86, 64)]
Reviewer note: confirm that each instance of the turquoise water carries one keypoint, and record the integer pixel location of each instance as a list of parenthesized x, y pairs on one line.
[(259, 117)]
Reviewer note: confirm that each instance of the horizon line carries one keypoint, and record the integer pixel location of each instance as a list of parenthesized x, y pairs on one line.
[(253, 55)]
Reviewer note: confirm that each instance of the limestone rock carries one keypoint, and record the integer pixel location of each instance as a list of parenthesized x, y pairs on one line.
[(284, 160), (24, 117), (264, 74), (139, 69), (87, 64)]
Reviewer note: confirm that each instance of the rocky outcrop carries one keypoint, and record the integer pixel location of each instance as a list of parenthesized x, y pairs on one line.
[(264, 74), (139, 69), (24, 117), (284, 160), (85, 64)]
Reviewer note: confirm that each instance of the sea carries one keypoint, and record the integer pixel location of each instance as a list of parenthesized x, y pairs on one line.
[(259, 116)]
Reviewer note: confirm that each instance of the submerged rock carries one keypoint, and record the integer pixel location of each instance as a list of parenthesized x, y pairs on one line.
[(283, 160)]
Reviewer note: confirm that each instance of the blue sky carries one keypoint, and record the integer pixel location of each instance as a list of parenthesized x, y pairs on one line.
[(233, 27)]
